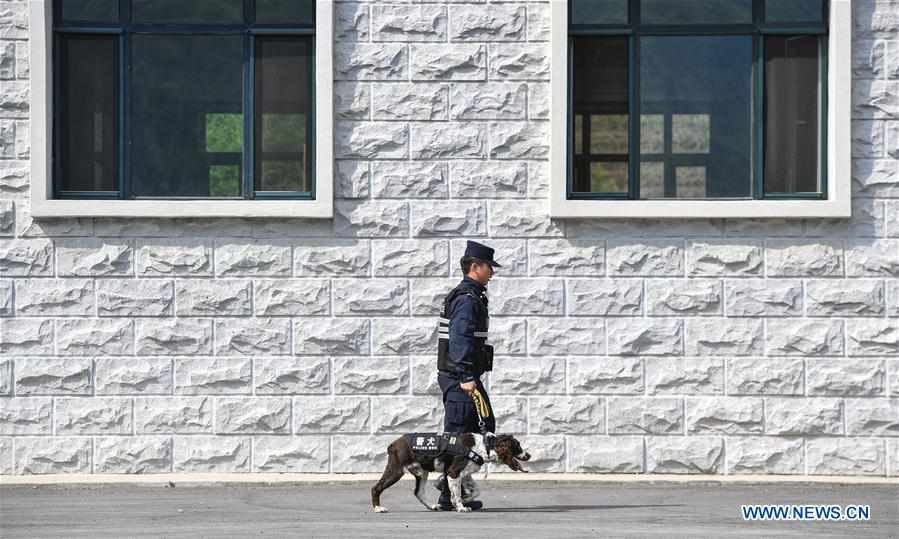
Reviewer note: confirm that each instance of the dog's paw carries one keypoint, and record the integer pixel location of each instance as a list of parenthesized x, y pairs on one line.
[(435, 507), (463, 509), (379, 509)]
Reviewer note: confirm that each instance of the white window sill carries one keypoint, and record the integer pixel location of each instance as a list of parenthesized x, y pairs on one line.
[(181, 208), (718, 209)]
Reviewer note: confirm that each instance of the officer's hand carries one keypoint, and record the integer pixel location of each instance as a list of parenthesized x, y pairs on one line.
[(469, 387)]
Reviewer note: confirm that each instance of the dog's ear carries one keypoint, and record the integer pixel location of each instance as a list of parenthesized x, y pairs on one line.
[(519, 451), (501, 445)]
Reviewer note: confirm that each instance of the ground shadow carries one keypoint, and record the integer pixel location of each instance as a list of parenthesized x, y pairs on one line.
[(566, 508)]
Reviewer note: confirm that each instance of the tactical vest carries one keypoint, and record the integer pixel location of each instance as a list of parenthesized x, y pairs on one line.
[(483, 352), (437, 445)]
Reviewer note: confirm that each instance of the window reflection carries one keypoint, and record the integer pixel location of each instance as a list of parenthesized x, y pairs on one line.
[(794, 10), (599, 11), (690, 133), (224, 133), (792, 107), (696, 116), (608, 133), (696, 11), (652, 179), (283, 152), (103, 11), (578, 134), (224, 180), (224, 138), (285, 11), (88, 102), (187, 11), (282, 127), (652, 133), (600, 163), (187, 109), (608, 177), (690, 181)]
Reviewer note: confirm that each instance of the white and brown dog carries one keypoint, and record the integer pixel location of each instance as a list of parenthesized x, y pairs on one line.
[(422, 453)]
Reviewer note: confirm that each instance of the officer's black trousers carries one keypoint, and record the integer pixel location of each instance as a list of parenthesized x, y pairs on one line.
[(459, 414)]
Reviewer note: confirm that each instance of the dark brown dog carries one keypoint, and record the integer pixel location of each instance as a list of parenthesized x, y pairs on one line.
[(401, 456)]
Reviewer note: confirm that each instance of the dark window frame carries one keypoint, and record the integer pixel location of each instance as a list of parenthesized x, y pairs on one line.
[(758, 30), (123, 30)]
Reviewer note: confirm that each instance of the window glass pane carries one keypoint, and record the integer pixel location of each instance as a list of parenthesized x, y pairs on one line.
[(600, 75), (224, 132), (696, 11), (88, 106), (578, 133), (224, 180), (186, 115), (690, 133), (608, 133), (652, 133), (696, 94), (608, 177), (285, 11), (283, 104), (794, 10), (187, 11), (105, 11), (690, 181), (652, 179), (792, 111), (598, 12)]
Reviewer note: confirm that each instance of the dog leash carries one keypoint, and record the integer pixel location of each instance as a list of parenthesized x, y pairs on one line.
[(482, 426)]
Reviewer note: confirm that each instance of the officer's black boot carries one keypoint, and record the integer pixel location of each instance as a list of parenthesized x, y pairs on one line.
[(446, 500)]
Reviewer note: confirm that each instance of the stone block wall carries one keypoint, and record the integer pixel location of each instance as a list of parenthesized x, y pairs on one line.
[(235, 345)]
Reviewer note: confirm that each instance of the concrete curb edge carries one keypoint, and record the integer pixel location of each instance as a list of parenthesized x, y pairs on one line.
[(300, 478)]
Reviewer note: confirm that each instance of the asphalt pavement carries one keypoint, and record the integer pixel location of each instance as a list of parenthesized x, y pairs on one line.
[(515, 510)]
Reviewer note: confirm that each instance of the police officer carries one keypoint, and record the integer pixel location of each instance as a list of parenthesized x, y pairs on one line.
[(463, 355)]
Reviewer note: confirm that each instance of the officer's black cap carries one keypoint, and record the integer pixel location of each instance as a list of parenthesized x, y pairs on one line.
[(481, 252)]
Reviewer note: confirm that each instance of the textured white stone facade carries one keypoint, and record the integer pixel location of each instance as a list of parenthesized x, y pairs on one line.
[(703, 346)]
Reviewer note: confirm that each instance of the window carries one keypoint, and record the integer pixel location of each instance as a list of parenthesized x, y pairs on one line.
[(700, 108), (182, 108)]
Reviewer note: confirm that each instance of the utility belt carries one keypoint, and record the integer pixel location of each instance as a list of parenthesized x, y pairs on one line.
[(482, 358)]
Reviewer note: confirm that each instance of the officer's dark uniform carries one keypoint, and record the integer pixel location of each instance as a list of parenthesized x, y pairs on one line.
[(463, 354)]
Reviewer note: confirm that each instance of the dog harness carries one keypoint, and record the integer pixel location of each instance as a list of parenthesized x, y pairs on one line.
[(437, 445)]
